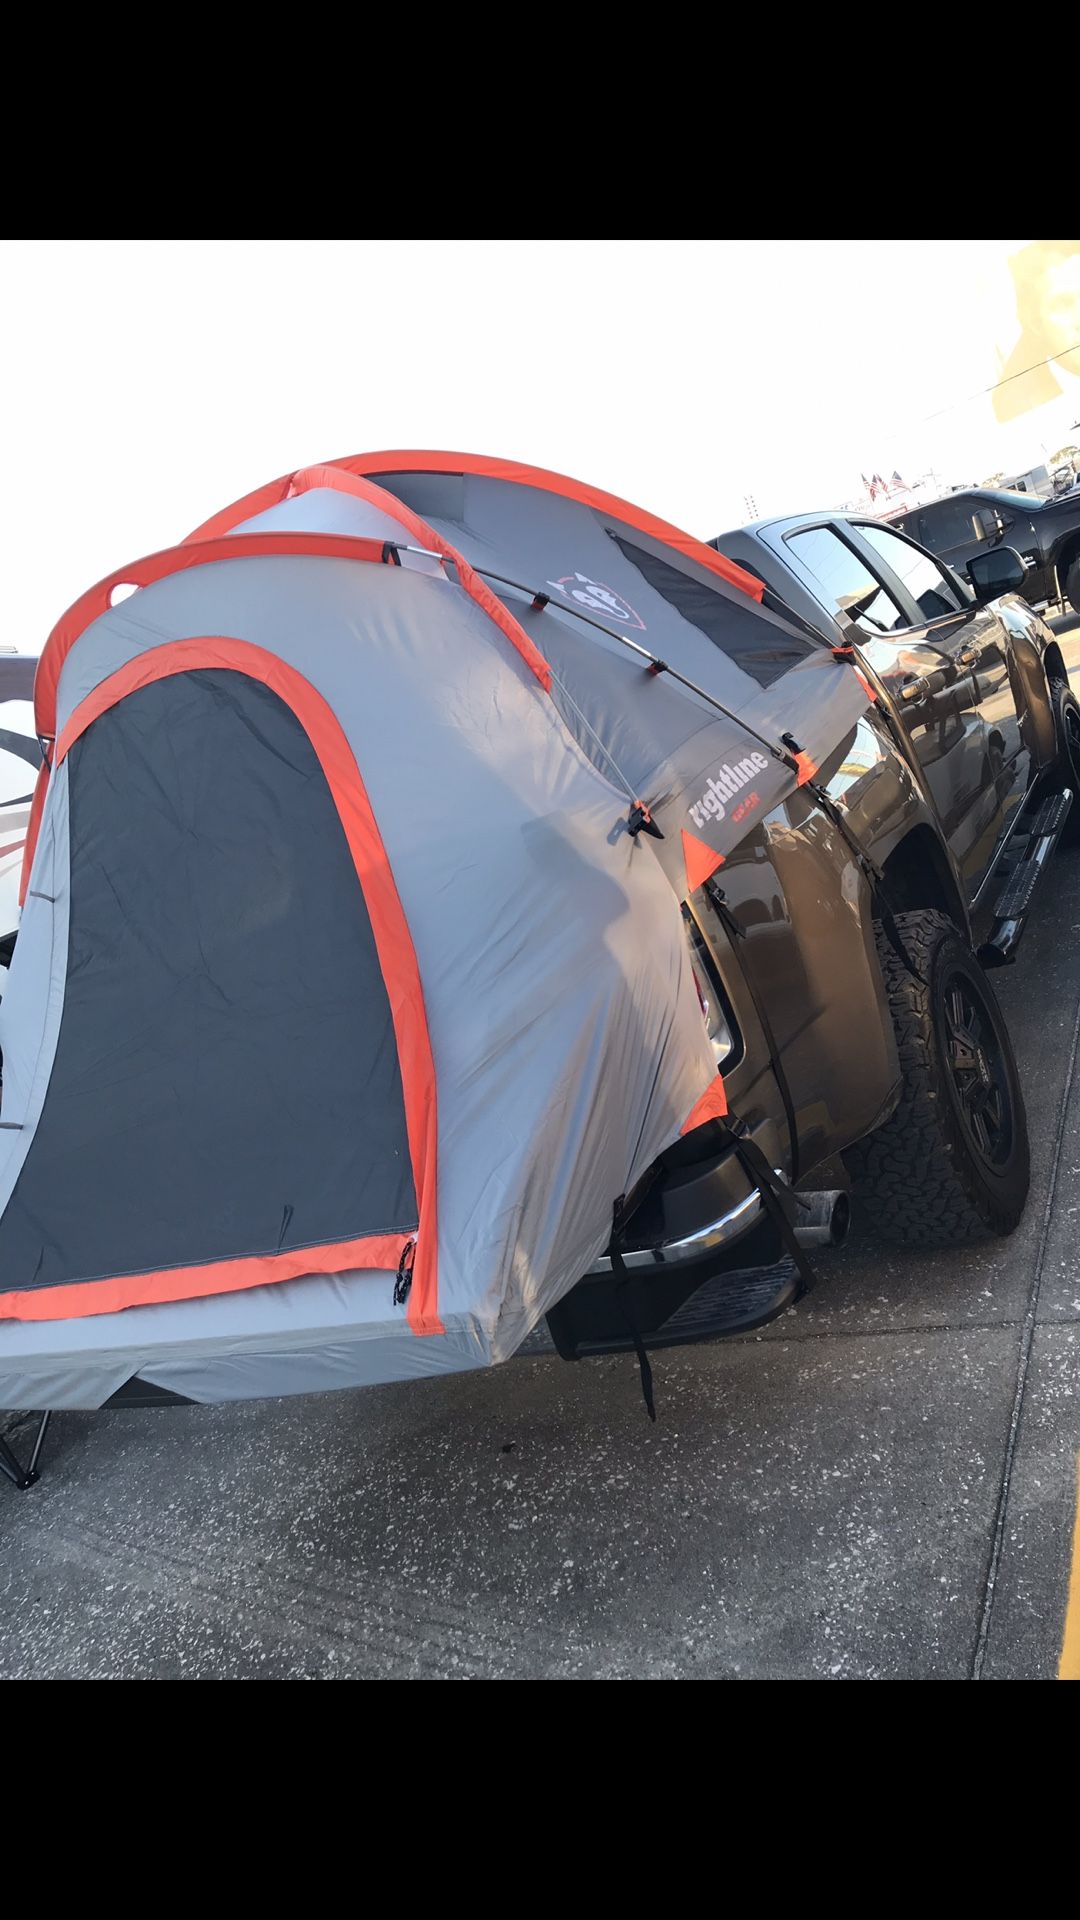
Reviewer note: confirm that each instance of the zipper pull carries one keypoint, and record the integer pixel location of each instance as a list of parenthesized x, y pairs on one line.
[(403, 1282)]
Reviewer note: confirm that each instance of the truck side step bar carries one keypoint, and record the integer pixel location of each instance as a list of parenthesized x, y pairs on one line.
[(1014, 901)]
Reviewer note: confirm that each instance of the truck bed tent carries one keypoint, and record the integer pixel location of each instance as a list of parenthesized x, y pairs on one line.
[(351, 989)]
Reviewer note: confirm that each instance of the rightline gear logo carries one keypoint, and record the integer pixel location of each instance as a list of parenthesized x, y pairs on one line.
[(723, 786), (598, 598)]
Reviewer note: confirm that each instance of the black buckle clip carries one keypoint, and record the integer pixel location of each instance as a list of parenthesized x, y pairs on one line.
[(641, 821), (403, 1282)]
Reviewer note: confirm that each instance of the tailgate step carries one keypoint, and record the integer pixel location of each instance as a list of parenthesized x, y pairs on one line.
[(1011, 909), (729, 1303), (732, 1303), (729, 1290)]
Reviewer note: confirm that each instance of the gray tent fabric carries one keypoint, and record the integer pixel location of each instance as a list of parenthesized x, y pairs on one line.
[(314, 819), (590, 563), (322, 510)]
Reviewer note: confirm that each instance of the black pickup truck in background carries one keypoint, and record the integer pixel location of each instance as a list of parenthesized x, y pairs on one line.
[(1046, 535)]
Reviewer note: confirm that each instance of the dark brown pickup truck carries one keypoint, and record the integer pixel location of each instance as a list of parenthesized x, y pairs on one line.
[(848, 992)]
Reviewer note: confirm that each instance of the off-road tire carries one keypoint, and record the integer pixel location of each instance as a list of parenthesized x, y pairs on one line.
[(920, 1180), (1067, 722), (1072, 584)]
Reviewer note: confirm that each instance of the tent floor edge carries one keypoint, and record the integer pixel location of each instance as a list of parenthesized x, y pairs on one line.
[(22, 1478)]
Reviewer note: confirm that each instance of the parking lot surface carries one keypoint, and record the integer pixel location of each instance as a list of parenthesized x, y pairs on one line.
[(882, 1484)]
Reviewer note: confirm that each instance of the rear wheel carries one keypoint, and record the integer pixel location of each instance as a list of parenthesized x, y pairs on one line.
[(1067, 721), (1072, 584), (952, 1164)]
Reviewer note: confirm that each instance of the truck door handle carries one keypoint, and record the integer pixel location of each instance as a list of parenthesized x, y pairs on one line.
[(968, 657), (923, 685)]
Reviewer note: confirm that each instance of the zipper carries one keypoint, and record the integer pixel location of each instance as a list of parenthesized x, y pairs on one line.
[(403, 1283)]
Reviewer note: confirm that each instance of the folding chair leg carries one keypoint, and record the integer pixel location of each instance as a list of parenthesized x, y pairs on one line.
[(20, 1476)]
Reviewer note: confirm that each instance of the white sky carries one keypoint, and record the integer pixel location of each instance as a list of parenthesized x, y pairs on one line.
[(146, 384)]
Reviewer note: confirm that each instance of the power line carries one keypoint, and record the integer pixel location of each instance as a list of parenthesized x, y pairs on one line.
[(1075, 348), (895, 432)]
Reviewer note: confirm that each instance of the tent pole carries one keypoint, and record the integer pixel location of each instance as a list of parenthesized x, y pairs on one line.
[(655, 665), (23, 1477), (786, 753)]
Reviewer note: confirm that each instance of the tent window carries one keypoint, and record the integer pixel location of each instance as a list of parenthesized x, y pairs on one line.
[(226, 1081), (756, 645)]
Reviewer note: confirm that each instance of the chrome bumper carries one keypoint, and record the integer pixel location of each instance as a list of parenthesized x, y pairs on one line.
[(720, 1233)]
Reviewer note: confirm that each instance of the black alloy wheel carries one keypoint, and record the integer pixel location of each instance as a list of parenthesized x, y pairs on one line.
[(976, 1063)]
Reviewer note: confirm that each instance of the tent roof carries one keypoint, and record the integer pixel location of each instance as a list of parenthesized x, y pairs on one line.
[(426, 461)]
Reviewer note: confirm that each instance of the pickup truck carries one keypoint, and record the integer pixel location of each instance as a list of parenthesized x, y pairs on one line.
[(1046, 535), (856, 1025)]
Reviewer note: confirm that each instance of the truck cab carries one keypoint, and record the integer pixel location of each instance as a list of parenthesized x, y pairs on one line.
[(1045, 533)]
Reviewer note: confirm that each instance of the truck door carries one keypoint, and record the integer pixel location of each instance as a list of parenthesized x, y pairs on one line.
[(967, 523), (947, 528), (932, 681), (1004, 521), (804, 981), (978, 648)]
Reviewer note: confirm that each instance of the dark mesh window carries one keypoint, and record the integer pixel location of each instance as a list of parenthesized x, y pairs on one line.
[(226, 1078), (760, 648), (434, 496)]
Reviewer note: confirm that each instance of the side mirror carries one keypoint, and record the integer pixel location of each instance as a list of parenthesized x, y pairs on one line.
[(991, 574)]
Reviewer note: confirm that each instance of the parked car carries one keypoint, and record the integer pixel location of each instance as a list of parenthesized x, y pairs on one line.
[(1045, 533), (844, 1041), (1034, 484), (20, 757)]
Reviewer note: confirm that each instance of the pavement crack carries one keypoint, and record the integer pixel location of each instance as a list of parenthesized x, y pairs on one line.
[(1027, 1337), (870, 1333)]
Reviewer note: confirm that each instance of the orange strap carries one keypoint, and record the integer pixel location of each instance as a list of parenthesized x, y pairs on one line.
[(343, 481)]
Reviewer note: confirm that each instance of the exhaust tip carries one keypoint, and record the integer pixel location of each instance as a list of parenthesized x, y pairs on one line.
[(841, 1219), (823, 1218)]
